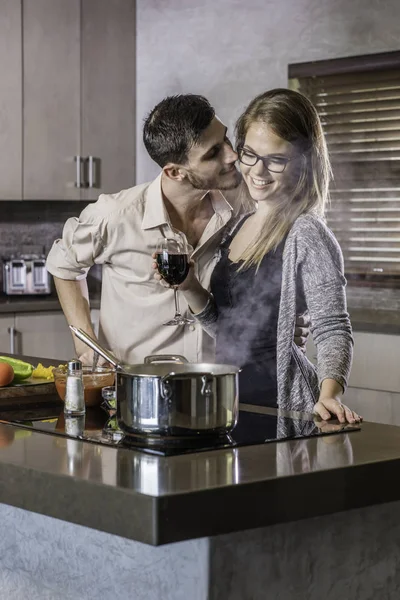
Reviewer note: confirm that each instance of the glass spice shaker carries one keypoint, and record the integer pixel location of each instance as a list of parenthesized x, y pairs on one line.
[(74, 403), (75, 425)]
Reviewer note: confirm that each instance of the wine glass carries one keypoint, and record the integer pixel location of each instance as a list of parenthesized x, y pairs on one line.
[(172, 256)]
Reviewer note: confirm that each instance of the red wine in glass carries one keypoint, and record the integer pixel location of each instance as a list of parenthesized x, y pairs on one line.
[(172, 258), (173, 267)]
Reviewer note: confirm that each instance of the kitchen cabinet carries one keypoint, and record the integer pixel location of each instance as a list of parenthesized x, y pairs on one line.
[(376, 361), (7, 324), (43, 334), (51, 108), (374, 383), (374, 405), (72, 136), (108, 94), (10, 101)]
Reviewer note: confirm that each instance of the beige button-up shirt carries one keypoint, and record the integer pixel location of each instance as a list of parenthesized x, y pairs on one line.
[(120, 232)]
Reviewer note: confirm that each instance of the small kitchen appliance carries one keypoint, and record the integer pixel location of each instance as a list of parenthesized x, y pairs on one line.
[(26, 274)]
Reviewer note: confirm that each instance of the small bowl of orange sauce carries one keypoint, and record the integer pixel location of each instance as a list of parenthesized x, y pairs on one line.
[(93, 383)]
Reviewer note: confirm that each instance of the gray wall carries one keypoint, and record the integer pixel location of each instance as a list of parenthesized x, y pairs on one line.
[(230, 50)]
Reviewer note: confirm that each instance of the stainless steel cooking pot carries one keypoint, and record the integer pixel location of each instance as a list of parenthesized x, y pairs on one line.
[(185, 400)]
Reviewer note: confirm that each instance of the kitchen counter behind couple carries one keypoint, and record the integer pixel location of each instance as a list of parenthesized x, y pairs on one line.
[(374, 309), (361, 305), (26, 304), (373, 320), (20, 303), (158, 500), (362, 319)]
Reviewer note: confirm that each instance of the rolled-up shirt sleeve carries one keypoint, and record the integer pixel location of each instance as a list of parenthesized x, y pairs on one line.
[(80, 246)]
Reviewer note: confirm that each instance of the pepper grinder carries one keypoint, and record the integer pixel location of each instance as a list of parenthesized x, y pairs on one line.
[(74, 403)]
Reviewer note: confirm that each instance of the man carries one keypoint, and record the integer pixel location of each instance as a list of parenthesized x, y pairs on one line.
[(195, 193)]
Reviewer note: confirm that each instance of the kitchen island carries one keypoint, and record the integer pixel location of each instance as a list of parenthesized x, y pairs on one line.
[(311, 518)]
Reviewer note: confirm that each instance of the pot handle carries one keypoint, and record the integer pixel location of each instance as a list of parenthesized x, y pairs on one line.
[(172, 375), (154, 358), (86, 339), (206, 385)]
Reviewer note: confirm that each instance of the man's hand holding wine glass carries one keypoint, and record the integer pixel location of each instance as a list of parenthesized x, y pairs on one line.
[(173, 268), (172, 263)]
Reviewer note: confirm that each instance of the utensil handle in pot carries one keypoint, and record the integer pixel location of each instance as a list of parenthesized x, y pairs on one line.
[(176, 358), (86, 339)]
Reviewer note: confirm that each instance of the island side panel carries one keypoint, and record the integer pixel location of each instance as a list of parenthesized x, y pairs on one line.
[(42, 558), (353, 555)]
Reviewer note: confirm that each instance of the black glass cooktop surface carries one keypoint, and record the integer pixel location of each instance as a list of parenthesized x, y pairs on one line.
[(96, 426)]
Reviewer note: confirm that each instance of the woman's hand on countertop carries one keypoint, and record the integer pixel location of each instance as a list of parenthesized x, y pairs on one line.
[(328, 406)]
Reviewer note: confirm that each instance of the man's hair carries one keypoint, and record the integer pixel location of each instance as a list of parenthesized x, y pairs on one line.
[(174, 126)]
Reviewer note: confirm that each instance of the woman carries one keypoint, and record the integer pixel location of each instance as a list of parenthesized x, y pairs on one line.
[(278, 261)]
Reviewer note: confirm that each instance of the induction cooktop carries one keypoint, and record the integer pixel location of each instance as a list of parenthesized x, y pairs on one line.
[(96, 426)]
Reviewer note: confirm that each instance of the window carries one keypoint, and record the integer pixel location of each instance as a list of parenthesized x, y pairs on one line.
[(358, 100)]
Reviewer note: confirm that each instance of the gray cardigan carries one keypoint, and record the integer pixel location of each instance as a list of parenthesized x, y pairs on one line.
[(313, 265)]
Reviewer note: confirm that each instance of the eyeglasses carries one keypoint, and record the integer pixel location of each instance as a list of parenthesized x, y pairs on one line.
[(275, 164)]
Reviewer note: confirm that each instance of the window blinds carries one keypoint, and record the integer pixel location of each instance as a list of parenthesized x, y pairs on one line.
[(360, 114)]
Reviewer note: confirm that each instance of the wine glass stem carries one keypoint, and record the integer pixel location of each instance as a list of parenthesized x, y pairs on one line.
[(177, 310)]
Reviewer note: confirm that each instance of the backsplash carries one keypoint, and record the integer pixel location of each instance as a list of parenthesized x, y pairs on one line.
[(36, 223)]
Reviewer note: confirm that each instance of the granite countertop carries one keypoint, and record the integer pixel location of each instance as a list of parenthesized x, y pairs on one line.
[(159, 500), (375, 321), (18, 304), (24, 304), (362, 319), (374, 309)]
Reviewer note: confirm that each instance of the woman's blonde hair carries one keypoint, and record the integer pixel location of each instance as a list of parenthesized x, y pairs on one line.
[(292, 117)]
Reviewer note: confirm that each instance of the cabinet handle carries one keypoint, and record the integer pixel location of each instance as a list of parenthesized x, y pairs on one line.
[(78, 161), (80, 182), (91, 162), (12, 332)]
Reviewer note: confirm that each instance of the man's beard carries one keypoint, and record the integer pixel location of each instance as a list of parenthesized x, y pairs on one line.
[(214, 183)]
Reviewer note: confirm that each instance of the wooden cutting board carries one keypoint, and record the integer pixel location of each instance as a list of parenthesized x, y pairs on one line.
[(29, 387)]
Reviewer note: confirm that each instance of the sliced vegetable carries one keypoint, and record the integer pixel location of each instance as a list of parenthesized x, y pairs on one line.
[(22, 370), (42, 372)]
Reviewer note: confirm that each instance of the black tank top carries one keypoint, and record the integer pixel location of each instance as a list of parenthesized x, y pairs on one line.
[(248, 308)]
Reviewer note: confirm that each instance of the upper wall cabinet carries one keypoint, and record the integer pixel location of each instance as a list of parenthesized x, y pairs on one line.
[(108, 94), (51, 103), (78, 90), (10, 100)]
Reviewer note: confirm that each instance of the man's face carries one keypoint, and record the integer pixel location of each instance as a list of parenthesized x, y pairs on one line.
[(211, 162)]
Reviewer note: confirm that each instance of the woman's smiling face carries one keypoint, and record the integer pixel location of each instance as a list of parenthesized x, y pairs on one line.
[(263, 183)]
